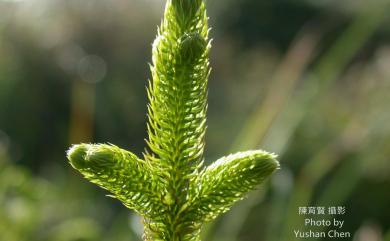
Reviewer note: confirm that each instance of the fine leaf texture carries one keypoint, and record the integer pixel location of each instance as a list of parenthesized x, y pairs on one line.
[(121, 173), (228, 180)]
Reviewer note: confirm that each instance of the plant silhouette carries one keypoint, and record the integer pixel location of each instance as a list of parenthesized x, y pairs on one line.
[(169, 186)]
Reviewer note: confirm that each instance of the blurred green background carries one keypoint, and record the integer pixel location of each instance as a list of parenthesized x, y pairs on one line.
[(307, 79)]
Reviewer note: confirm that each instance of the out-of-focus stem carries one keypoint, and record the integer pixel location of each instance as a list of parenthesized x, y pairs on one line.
[(324, 74), (82, 112), (282, 85)]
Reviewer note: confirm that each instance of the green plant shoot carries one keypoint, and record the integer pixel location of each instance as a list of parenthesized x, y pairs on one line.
[(170, 187)]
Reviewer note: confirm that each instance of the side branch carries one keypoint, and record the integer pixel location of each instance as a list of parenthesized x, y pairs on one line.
[(120, 172), (228, 180)]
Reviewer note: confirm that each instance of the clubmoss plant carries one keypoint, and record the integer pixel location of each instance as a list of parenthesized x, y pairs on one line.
[(169, 186)]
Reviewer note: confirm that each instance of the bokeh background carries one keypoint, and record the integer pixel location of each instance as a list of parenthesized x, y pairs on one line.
[(307, 79)]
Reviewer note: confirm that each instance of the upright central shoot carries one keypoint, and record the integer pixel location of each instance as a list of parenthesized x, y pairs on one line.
[(170, 187), (177, 95)]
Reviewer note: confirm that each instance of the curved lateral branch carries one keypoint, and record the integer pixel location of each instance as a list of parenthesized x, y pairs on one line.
[(228, 180), (120, 172)]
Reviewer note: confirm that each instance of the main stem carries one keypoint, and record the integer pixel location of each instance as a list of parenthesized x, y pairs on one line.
[(169, 233), (177, 115)]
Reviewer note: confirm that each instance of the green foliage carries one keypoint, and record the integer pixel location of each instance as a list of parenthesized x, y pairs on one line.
[(170, 187), (121, 173), (228, 179)]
